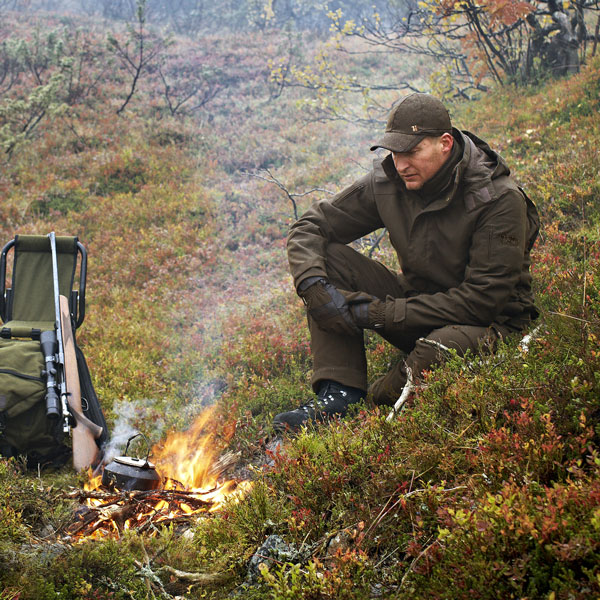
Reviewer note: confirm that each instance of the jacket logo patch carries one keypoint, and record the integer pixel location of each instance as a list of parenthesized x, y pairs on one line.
[(508, 240)]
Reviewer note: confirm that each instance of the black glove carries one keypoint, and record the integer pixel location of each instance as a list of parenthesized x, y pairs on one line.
[(327, 306), (367, 311), (360, 312)]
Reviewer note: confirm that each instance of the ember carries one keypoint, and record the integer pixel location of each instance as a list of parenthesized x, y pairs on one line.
[(192, 484)]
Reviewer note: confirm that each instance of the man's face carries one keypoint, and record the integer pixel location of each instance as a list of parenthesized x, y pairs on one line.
[(419, 165)]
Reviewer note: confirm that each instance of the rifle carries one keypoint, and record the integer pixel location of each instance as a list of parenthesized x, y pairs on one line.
[(63, 396)]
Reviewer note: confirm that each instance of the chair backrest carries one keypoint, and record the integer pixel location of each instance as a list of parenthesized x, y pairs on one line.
[(31, 296)]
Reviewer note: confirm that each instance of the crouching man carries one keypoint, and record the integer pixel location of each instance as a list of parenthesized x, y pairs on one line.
[(462, 230)]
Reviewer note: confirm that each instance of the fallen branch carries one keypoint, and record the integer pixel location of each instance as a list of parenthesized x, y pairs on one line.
[(557, 314), (112, 497), (406, 390), (152, 579), (224, 463), (193, 578)]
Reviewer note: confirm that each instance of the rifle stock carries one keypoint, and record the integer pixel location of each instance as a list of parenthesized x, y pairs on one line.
[(85, 450)]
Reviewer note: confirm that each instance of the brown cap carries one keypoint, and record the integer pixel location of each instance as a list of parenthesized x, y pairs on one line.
[(415, 117)]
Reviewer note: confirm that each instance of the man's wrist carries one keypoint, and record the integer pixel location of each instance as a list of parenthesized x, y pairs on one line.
[(306, 283), (376, 314)]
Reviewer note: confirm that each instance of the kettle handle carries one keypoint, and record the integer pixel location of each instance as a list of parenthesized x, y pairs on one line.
[(139, 434)]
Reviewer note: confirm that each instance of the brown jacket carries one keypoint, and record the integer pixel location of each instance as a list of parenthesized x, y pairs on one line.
[(464, 255)]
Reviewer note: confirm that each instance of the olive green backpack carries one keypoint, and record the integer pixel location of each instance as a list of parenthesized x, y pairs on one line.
[(24, 428)]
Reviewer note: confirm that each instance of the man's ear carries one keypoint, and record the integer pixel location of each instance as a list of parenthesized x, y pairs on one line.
[(446, 142)]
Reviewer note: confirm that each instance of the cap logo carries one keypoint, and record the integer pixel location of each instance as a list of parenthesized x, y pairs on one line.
[(415, 128)]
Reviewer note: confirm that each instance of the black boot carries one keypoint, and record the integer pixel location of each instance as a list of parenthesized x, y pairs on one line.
[(332, 400)]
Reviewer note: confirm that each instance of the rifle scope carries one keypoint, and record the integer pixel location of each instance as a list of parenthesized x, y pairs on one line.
[(48, 343)]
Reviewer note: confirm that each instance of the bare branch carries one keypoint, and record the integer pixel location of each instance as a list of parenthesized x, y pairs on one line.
[(270, 178)]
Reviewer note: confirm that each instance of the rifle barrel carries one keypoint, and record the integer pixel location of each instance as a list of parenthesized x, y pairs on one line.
[(59, 336)]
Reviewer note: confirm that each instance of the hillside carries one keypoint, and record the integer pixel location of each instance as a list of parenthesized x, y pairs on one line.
[(487, 485)]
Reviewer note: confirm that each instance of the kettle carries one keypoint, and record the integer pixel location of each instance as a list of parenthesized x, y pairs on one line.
[(128, 473)]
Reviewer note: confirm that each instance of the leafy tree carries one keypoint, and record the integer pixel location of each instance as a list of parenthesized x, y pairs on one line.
[(85, 64), (466, 45), (20, 117), (44, 76), (32, 85), (501, 40)]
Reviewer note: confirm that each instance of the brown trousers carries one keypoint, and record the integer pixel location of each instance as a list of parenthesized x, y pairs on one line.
[(341, 358)]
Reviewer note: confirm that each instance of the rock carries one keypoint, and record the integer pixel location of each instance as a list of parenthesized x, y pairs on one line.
[(274, 551)]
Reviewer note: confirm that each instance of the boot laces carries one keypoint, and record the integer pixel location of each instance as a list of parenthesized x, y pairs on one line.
[(308, 407), (323, 401)]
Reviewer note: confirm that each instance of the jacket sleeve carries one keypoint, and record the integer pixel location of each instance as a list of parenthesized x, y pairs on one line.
[(348, 216), (496, 257)]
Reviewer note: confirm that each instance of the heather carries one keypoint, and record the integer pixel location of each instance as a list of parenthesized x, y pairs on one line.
[(487, 484)]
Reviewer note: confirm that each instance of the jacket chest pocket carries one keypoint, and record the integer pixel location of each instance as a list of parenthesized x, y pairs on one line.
[(440, 247)]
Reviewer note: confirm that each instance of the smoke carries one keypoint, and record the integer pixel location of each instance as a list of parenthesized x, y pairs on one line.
[(127, 413)]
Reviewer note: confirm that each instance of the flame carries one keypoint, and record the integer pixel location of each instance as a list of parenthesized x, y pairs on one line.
[(94, 483), (186, 458), (188, 463)]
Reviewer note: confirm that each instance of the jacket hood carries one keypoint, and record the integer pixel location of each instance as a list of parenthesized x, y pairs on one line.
[(479, 161)]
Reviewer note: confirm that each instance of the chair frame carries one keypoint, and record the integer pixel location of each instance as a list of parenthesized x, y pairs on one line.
[(76, 299)]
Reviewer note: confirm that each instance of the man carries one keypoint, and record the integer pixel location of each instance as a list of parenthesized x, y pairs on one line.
[(463, 232)]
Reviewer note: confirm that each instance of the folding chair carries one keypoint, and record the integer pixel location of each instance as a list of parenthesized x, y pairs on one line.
[(27, 308)]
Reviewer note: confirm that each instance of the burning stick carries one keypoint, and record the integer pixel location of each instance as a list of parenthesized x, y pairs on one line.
[(118, 511), (116, 496)]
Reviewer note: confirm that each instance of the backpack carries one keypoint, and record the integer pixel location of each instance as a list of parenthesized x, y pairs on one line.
[(25, 430)]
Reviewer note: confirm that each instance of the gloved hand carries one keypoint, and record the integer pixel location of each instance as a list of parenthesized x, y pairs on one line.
[(367, 311), (327, 306), (358, 304)]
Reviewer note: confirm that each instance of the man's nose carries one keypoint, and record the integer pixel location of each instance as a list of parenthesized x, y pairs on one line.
[(400, 162)]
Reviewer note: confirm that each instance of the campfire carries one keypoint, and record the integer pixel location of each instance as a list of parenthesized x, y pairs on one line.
[(188, 481)]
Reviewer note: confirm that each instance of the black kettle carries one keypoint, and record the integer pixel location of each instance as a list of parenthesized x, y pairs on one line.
[(128, 473)]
